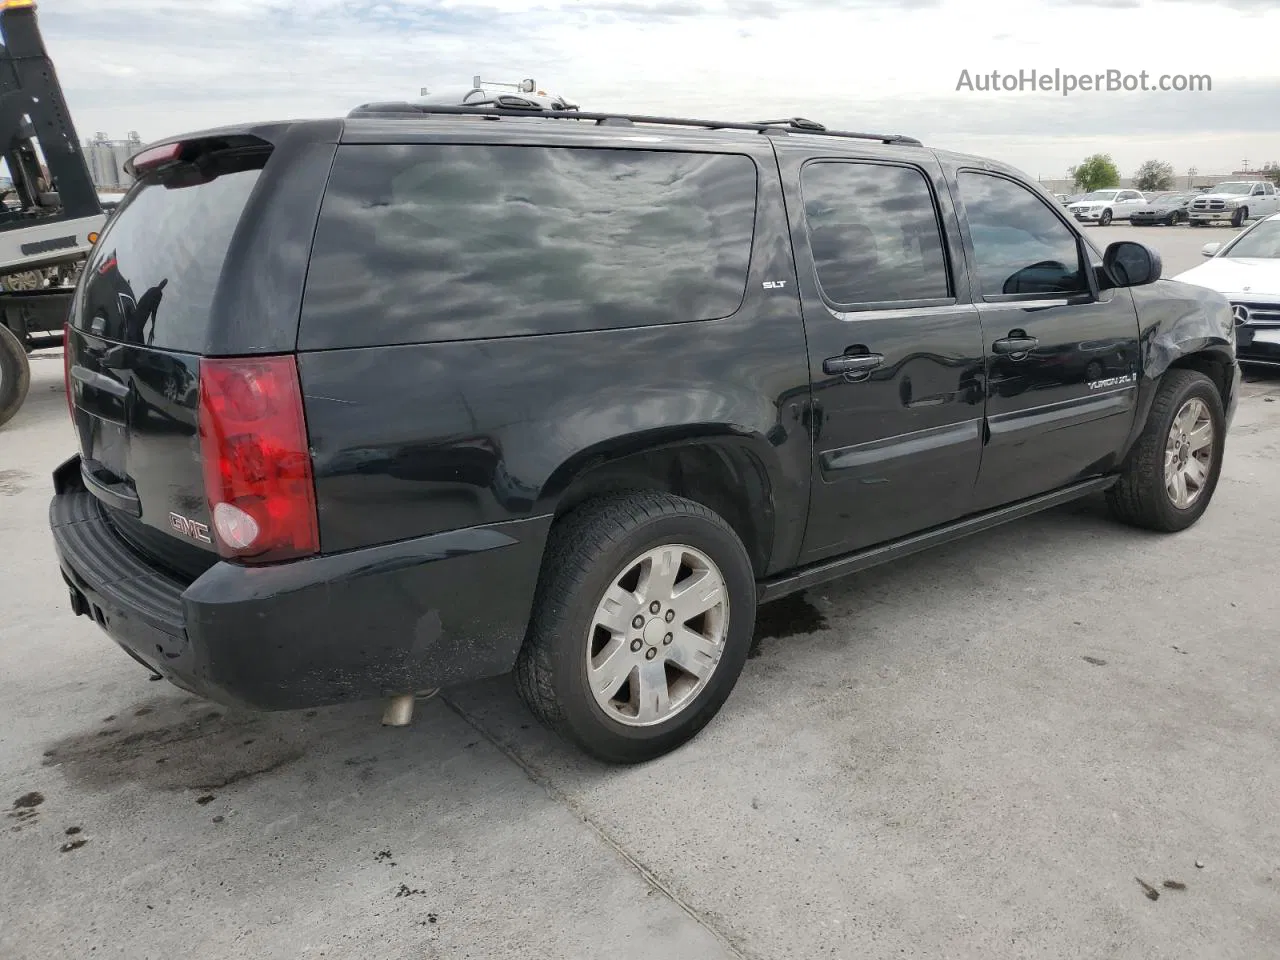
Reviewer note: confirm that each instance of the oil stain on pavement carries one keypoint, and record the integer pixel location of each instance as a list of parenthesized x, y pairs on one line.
[(12, 482), (181, 743), (26, 809), (789, 617)]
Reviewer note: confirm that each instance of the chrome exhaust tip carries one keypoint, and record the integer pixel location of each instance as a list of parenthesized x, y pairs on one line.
[(399, 710)]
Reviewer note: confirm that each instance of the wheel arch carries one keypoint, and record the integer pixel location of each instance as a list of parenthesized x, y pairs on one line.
[(733, 474), (1183, 327)]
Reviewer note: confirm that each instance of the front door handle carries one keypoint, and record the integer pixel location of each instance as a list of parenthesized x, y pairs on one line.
[(852, 363), (1015, 345)]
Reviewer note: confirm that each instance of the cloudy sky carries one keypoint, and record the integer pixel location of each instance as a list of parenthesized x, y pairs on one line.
[(164, 66)]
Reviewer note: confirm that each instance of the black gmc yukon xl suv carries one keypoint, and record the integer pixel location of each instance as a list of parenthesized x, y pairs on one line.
[(373, 406)]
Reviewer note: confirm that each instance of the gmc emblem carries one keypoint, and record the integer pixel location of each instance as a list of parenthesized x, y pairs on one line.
[(190, 528)]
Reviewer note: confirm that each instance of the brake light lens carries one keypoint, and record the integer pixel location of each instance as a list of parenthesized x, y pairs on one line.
[(154, 157), (257, 465)]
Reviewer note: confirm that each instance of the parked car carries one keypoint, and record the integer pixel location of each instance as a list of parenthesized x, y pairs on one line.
[(446, 395), (1235, 202), (1103, 206), (1246, 270), (1165, 208)]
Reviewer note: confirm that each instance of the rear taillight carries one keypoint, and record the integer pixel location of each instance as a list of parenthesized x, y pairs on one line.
[(257, 467), (66, 369)]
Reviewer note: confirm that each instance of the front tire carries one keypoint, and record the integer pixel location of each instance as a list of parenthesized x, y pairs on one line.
[(15, 375), (1105, 219), (1239, 217), (1173, 469), (641, 625)]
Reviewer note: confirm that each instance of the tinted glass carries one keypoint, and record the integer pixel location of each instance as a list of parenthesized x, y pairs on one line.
[(874, 233), (153, 273), (439, 242), (1021, 247)]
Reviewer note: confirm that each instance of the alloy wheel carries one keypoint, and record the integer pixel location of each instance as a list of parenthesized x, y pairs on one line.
[(657, 635), (1189, 454)]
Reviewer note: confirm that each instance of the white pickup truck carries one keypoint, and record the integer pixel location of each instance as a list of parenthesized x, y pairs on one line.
[(1236, 201)]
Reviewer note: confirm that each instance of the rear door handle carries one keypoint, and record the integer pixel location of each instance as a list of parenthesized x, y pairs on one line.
[(852, 363), (1015, 345)]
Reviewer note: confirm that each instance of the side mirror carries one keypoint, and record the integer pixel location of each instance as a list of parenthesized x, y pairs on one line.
[(527, 86), (1209, 249), (1132, 264)]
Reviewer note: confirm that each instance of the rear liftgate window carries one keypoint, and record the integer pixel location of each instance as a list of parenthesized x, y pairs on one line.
[(437, 242), (153, 273)]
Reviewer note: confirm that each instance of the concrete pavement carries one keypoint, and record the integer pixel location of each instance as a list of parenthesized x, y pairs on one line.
[(976, 752)]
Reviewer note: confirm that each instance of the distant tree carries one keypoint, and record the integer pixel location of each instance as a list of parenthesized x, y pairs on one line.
[(1096, 173), (1271, 170), (1154, 175)]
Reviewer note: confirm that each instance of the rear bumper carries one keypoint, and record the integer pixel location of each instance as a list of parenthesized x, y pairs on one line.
[(409, 616)]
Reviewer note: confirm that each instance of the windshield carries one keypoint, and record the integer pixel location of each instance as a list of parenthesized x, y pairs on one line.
[(1101, 195), (1239, 189), (1162, 197), (1263, 242)]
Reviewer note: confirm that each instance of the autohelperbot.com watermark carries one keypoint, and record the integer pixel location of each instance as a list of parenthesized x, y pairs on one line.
[(1065, 83)]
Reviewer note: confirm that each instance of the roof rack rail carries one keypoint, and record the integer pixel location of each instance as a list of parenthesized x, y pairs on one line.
[(497, 108)]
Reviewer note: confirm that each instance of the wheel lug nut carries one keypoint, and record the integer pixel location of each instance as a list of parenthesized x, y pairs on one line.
[(655, 607), (636, 645), (638, 622), (671, 615), (650, 653), (667, 639)]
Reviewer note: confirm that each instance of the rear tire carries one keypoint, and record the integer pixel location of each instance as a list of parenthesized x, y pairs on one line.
[(587, 671), (15, 375), (1146, 496)]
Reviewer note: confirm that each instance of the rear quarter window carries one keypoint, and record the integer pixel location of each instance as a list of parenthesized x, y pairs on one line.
[(434, 242)]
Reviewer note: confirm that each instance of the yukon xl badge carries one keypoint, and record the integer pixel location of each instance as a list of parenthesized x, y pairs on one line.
[(190, 528), (1113, 381)]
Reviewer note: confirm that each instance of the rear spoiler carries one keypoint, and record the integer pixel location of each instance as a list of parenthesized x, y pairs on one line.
[(184, 146)]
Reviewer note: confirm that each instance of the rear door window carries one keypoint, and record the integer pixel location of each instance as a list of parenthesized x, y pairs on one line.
[(874, 233), (433, 242), (152, 276)]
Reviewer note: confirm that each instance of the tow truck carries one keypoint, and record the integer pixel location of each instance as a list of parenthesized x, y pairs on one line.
[(50, 216)]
